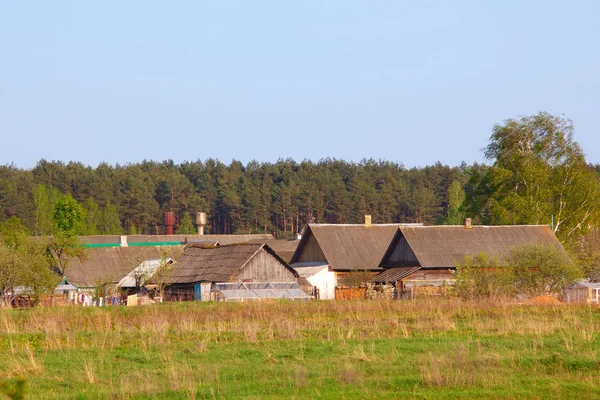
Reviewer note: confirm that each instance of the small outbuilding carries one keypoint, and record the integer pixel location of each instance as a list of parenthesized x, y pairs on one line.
[(582, 292), (258, 271)]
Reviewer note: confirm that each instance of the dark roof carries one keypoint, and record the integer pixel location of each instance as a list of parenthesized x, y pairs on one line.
[(111, 264), (394, 274), (199, 263), (284, 248), (445, 246), (350, 247)]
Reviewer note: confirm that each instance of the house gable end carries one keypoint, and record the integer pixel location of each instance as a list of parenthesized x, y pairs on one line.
[(399, 253), (264, 267), (309, 249)]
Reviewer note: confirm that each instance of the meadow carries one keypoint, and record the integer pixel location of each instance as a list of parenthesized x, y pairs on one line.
[(424, 349)]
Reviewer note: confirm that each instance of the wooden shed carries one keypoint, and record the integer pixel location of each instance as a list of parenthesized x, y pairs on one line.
[(201, 268), (582, 292)]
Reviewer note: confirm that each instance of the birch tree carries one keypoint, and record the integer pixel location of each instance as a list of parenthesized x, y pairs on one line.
[(538, 176)]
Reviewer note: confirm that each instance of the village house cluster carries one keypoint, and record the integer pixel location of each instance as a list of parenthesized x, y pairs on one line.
[(327, 261)]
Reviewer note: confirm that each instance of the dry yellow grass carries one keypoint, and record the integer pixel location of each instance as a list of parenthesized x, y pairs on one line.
[(200, 350)]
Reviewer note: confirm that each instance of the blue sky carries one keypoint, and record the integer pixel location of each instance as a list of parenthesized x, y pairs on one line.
[(414, 82)]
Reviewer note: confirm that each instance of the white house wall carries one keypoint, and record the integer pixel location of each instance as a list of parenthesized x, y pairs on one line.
[(326, 282)]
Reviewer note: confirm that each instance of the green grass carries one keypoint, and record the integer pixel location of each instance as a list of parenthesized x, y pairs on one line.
[(330, 350)]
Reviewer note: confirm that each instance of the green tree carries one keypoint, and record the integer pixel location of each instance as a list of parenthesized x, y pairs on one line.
[(38, 277), (12, 268), (13, 233), (538, 176), (483, 276), (69, 219), (456, 196), (186, 225), (110, 224), (44, 201), (539, 269), (69, 216), (93, 217)]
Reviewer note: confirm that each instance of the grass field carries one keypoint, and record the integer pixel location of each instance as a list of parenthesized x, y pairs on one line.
[(330, 350)]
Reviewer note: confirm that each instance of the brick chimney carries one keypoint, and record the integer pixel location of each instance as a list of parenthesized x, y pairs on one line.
[(468, 224), (367, 220)]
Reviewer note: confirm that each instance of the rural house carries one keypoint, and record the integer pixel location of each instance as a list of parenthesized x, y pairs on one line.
[(108, 265), (235, 272), (331, 255), (426, 256)]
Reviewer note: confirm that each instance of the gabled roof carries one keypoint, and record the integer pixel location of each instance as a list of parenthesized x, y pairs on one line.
[(111, 264), (350, 247), (284, 248), (199, 263), (446, 245)]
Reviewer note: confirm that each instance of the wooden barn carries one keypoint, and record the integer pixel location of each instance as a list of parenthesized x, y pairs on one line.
[(426, 256), (332, 255), (238, 272)]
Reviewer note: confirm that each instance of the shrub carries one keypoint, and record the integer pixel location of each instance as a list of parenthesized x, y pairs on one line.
[(540, 269), (483, 276)]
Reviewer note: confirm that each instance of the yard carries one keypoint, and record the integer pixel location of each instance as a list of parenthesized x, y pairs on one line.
[(331, 350)]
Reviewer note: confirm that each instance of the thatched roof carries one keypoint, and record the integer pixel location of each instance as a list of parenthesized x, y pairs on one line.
[(445, 246), (199, 263), (284, 248), (350, 247), (112, 264)]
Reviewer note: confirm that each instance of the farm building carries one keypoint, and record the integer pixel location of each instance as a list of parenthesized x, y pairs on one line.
[(582, 292), (108, 265), (426, 256), (331, 255), (165, 240), (109, 258), (249, 270)]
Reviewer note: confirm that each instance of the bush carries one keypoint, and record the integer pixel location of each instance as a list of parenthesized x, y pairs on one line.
[(529, 270), (541, 269), (483, 276)]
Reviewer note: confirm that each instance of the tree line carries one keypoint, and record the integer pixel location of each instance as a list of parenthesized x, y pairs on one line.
[(537, 174), (278, 198)]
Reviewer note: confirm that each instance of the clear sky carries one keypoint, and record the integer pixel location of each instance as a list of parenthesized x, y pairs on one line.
[(408, 81)]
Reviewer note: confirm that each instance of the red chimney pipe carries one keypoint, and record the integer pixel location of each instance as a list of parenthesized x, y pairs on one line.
[(169, 220)]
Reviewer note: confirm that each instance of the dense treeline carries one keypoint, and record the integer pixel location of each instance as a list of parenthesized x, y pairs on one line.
[(538, 175), (277, 198)]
